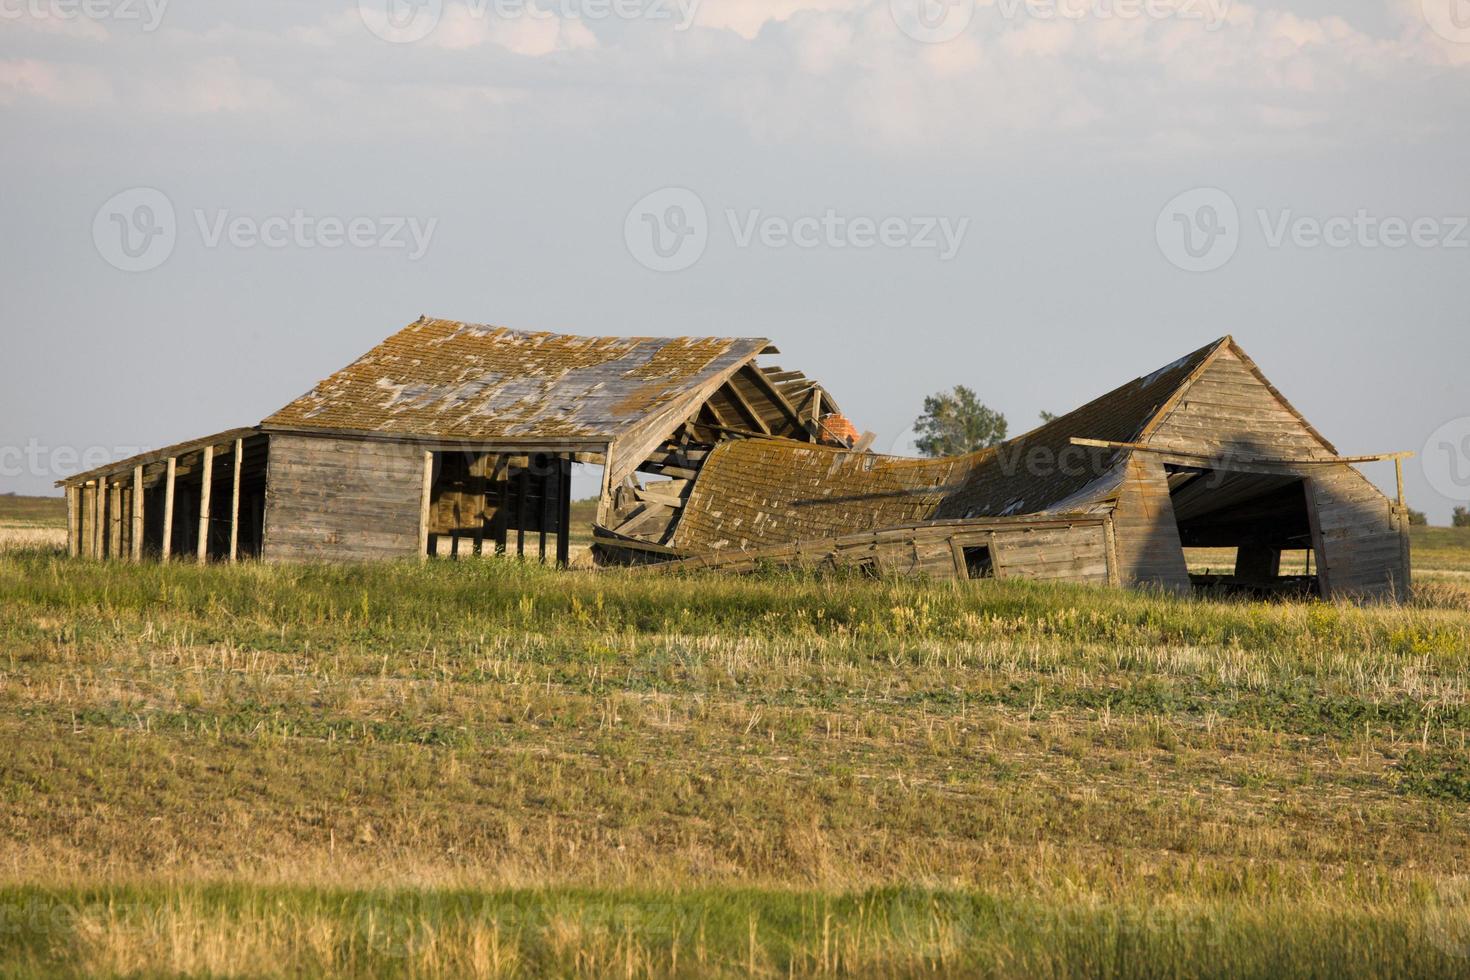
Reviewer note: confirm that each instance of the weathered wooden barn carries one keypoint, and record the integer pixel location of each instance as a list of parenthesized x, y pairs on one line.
[(1203, 453), (452, 439)]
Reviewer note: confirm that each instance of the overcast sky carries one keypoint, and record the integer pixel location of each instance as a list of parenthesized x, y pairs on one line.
[(209, 206)]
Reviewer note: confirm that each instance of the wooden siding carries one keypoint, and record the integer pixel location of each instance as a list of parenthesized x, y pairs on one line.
[(1146, 531), (1361, 550), (341, 499), (1045, 550), (1228, 410)]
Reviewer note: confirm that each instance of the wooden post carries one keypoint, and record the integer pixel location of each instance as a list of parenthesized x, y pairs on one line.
[(235, 502), (138, 513), (523, 490), (479, 473), (424, 506), (1398, 466), (206, 490), (564, 513), (501, 475), (73, 520), (544, 476), (99, 520), (114, 521), (84, 521), (168, 508)]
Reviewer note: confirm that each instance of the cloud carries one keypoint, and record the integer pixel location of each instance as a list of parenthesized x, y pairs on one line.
[(52, 82), (795, 71)]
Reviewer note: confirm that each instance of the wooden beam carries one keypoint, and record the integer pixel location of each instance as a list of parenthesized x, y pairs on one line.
[(73, 521), (138, 492), (206, 490), (1227, 457), (546, 502), (99, 502), (777, 396), (523, 490), (564, 513), (235, 501), (168, 507), (744, 405), (424, 501), (1398, 468)]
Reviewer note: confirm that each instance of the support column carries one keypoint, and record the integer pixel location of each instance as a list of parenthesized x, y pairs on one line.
[(544, 477), (424, 506), (168, 508), (73, 520), (99, 518), (235, 502), (206, 490), (114, 521), (523, 490), (564, 512), (137, 513)]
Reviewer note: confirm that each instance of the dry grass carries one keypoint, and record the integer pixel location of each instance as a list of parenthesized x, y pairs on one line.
[(479, 768)]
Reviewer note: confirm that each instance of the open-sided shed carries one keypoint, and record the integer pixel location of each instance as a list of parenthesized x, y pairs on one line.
[(448, 436)]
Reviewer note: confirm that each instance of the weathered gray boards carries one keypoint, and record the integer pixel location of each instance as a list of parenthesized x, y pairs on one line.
[(453, 439)]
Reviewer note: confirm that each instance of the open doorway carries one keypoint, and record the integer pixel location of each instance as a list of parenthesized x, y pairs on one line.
[(1246, 533)]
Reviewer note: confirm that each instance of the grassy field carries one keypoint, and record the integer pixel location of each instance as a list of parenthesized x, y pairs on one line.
[(486, 769), (481, 768)]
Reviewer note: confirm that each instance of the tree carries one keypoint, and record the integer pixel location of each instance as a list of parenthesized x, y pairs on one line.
[(1417, 518), (1461, 517), (955, 423), (1048, 417)]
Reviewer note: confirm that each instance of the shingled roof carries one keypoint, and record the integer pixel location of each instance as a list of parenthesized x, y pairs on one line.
[(755, 493), (465, 381)]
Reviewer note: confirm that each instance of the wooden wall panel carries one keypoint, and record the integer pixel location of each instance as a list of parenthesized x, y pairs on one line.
[(1050, 551), (1145, 531), (341, 499), (1228, 410), (1362, 540)]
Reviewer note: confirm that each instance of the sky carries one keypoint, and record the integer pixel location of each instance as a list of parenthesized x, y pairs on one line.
[(207, 207)]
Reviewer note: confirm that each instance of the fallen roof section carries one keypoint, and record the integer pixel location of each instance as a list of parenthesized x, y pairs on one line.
[(762, 493)]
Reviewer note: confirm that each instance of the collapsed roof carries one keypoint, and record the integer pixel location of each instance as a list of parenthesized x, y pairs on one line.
[(757, 493)]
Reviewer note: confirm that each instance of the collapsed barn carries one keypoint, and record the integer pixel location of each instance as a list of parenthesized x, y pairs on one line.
[(458, 439)]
